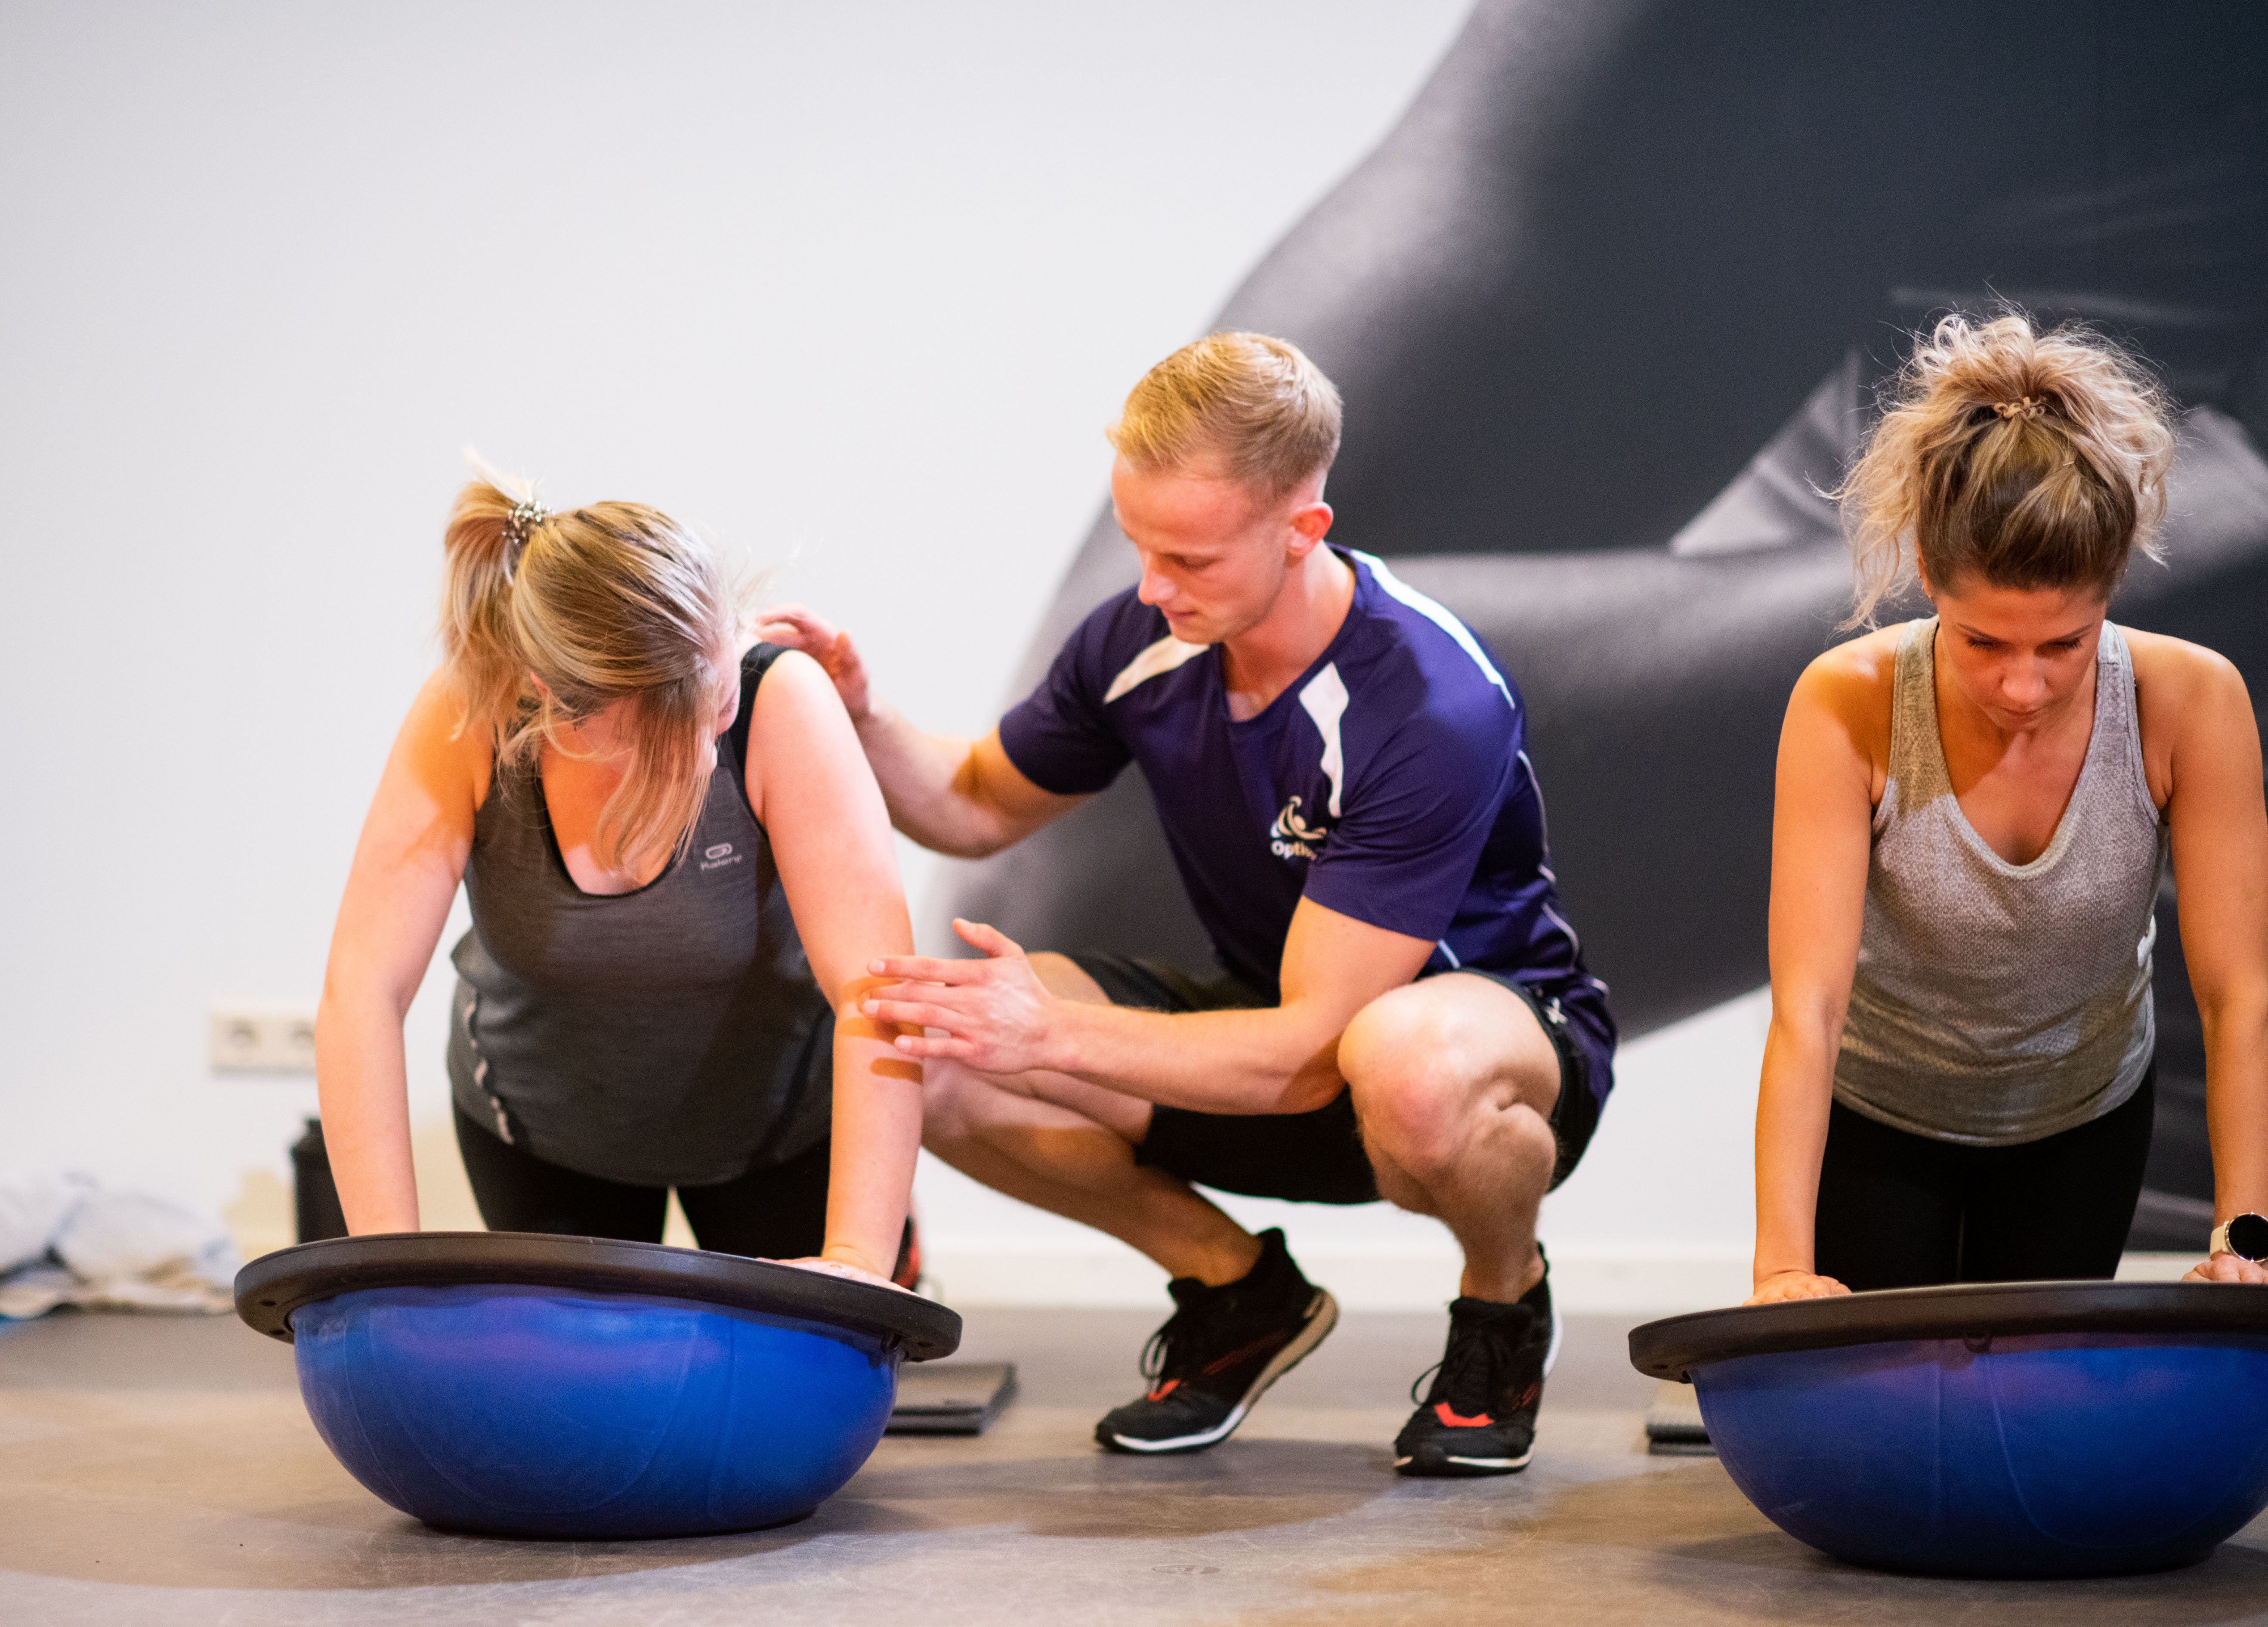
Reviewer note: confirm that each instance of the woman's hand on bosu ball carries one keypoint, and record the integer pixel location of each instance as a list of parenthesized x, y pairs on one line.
[(1783, 1285), (837, 1268), (2227, 1268)]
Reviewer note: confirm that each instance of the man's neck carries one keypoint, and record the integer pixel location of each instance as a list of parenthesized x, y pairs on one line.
[(1260, 663)]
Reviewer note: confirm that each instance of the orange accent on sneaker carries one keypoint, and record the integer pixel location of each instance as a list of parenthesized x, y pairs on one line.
[(1164, 1390), (1258, 1347), (1442, 1410)]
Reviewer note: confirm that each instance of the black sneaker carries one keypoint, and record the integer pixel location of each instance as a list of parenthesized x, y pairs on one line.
[(1479, 1417), (1218, 1351)]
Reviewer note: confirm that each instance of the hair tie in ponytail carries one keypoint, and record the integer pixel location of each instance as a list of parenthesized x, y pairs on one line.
[(2024, 406), (526, 515)]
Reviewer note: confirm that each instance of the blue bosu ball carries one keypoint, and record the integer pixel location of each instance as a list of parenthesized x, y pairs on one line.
[(2007, 1429), (537, 1386)]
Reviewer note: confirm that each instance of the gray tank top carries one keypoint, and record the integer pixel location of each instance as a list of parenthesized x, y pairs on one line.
[(669, 1036), (1997, 1002)]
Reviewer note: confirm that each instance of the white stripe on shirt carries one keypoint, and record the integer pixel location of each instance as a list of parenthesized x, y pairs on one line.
[(1159, 659), (1401, 590)]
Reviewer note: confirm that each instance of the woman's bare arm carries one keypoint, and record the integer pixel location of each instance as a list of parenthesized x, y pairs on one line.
[(810, 788), (1822, 811), (407, 865), (2200, 734)]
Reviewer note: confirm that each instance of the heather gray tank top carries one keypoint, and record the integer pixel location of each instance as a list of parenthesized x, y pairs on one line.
[(1997, 1002), (669, 1036)]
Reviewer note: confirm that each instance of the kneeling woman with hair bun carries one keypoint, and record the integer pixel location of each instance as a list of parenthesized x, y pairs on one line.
[(1974, 811), (679, 867)]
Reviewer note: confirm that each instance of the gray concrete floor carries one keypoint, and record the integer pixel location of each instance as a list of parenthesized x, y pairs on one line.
[(155, 1469)]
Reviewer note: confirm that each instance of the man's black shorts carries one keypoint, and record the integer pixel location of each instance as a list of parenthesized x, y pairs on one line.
[(1312, 1157)]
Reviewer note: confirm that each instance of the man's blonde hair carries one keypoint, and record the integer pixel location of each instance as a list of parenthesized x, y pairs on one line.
[(1254, 403)]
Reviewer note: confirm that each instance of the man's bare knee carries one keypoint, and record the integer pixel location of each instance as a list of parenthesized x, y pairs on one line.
[(1441, 1068), (1421, 1125), (1462, 1033)]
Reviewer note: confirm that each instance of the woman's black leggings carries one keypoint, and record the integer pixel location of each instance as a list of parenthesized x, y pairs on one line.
[(778, 1213), (1901, 1210)]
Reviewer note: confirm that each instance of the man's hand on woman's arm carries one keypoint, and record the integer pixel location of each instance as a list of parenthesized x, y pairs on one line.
[(997, 1016)]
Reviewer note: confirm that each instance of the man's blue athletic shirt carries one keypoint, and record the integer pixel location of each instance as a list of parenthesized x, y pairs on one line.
[(1388, 783)]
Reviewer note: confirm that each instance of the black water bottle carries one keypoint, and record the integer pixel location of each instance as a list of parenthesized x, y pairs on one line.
[(315, 1194)]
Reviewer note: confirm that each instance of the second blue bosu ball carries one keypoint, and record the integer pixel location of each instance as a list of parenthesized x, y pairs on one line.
[(1990, 1429)]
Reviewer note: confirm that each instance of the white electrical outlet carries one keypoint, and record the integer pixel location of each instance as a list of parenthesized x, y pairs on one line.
[(261, 1041)]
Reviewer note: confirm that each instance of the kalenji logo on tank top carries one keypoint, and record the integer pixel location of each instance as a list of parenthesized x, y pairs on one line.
[(718, 857), (1292, 837)]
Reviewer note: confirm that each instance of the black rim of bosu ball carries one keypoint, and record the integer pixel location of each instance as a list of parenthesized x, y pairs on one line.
[(270, 1289), (1975, 1312)]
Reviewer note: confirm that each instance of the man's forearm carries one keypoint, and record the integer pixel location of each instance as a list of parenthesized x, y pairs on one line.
[(1277, 1060), (927, 782)]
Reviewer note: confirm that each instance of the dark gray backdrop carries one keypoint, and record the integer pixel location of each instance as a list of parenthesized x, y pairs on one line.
[(1606, 308)]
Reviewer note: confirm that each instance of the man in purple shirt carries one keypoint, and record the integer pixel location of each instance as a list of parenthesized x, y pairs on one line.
[(1402, 1012)]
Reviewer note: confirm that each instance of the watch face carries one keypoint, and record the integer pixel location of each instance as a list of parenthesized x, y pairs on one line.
[(2248, 1235)]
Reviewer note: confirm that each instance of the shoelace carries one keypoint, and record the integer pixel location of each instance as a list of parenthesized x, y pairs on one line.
[(1158, 1353), (1467, 1373), (1192, 1334)]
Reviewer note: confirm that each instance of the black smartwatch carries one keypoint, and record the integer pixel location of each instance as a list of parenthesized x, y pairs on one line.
[(2246, 1237)]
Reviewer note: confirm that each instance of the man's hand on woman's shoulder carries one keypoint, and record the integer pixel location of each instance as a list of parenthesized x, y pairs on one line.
[(799, 628)]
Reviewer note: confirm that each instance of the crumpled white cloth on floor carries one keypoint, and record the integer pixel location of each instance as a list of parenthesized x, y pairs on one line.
[(33, 1209), (107, 1251)]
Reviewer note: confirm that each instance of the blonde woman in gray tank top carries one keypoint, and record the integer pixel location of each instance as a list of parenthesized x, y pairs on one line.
[(1973, 814), (679, 867)]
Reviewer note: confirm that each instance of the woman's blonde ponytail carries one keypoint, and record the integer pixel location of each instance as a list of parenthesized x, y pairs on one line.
[(613, 602), (2026, 460), (477, 639)]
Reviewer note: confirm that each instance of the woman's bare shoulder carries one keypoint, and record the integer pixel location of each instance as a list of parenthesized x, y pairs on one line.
[(441, 734), (2188, 697), (794, 680), (439, 715), (1855, 675), (2180, 670), (1840, 712), (799, 722)]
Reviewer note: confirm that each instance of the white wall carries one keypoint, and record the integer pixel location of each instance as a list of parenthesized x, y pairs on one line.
[(853, 284)]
